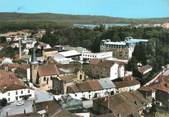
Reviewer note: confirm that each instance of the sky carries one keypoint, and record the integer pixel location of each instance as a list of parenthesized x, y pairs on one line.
[(113, 8)]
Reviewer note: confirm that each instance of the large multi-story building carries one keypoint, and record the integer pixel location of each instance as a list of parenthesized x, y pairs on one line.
[(87, 55), (121, 49)]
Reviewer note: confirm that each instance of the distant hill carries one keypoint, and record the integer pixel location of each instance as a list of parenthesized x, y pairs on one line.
[(63, 18)]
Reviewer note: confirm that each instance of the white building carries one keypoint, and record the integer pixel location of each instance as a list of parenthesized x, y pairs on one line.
[(70, 53), (17, 94), (29, 42), (127, 84), (8, 39), (117, 71), (61, 59), (42, 45), (7, 61), (108, 86), (15, 44), (12, 89), (121, 49), (92, 89), (87, 55)]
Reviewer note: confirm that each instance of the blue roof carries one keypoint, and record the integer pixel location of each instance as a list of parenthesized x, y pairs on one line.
[(42, 96), (133, 41), (106, 83)]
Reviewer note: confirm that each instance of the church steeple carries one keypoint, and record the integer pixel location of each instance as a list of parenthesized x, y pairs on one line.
[(34, 60), (33, 66)]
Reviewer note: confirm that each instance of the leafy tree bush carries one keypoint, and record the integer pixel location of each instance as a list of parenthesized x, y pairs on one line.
[(3, 102)]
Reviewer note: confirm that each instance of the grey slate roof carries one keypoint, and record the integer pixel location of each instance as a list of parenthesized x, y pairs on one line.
[(106, 83), (42, 96)]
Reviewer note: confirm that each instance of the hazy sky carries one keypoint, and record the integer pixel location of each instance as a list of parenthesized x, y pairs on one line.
[(115, 8)]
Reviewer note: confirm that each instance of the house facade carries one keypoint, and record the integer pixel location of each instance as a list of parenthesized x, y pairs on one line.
[(69, 74), (14, 95), (91, 89), (127, 84), (13, 89), (107, 68), (117, 71), (42, 75)]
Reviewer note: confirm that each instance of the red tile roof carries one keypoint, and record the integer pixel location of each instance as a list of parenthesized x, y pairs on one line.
[(94, 85), (68, 78), (48, 70), (125, 104), (83, 87), (9, 81), (89, 85), (130, 81), (147, 89), (162, 86), (16, 65)]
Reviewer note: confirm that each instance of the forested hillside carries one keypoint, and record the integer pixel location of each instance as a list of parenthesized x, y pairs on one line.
[(16, 21)]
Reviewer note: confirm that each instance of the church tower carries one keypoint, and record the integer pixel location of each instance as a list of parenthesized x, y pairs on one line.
[(34, 67)]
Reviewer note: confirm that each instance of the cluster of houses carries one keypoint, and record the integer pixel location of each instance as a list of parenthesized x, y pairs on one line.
[(72, 81)]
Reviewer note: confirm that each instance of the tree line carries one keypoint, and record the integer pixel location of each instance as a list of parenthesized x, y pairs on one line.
[(155, 53)]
